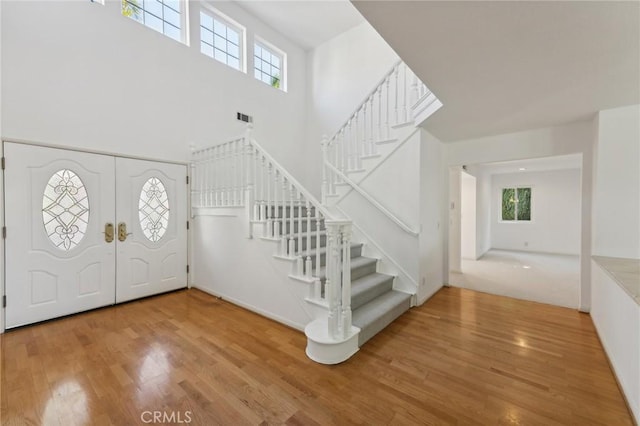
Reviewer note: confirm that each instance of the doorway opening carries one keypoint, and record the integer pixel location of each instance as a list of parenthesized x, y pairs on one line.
[(515, 228)]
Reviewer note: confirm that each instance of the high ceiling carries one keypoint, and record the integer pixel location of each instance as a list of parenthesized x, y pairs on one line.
[(501, 67), (308, 23)]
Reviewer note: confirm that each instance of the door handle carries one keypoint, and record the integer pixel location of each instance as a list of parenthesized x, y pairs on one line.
[(108, 232), (122, 231)]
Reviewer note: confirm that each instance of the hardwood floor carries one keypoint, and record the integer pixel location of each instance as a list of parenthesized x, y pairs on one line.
[(461, 358)]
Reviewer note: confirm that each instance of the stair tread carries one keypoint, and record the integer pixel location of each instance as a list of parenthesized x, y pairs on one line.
[(304, 234), (356, 262), (368, 287), (368, 313), (362, 284), (323, 249)]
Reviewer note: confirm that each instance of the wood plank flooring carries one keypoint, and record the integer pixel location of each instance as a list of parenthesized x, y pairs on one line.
[(462, 358)]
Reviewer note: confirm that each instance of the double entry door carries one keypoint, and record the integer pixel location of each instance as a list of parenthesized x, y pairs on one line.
[(88, 230)]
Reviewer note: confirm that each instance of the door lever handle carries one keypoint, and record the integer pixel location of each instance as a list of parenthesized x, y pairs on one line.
[(108, 232), (122, 231)]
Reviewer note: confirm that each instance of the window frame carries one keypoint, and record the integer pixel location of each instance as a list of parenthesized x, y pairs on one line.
[(273, 50), (229, 23), (183, 14), (515, 219)]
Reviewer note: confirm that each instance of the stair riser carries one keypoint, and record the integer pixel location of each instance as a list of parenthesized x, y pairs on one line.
[(296, 211), (355, 252), (296, 226), (384, 320), (371, 293), (285, 229), (362, 271), (323, 243)]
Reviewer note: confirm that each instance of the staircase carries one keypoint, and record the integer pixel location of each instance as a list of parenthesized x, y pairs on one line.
[(374, 302), (352, 298)]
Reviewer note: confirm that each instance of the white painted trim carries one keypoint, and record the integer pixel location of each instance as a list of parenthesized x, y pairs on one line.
[(430, 295), (324, 349), (247, 306), (91, 151), (366, 98), (371, 170), (373, 201), (383, 253)]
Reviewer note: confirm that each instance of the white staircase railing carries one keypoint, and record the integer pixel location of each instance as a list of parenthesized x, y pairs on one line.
[(241, 173), (389, 104)]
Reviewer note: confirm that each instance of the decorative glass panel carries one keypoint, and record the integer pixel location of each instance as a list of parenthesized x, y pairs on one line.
[(153, 209), (65, 209)]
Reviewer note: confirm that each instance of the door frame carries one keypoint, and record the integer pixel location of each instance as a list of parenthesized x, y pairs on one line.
[(3, 283)]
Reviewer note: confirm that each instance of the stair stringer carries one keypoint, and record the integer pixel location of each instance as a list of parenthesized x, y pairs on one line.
[(395, 240), (402, 134), (403, 281)]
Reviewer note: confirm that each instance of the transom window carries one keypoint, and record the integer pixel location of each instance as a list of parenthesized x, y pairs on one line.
[(221, 39), (164, 16), (268, 65), (516, 204)]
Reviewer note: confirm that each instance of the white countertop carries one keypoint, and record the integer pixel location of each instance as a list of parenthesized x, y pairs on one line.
[(626, 272)]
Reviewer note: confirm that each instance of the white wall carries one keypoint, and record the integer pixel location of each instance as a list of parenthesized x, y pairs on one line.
[(453, 259), (468, 216), (555, 213), (483, 211), (482, 207), (400, 196), (341, 73), (79, 74), (617, 319), (616, 206), (1, 193), (570, 138), (244, 271), (433, 216)]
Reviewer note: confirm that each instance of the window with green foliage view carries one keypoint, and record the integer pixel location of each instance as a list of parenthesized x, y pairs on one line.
[(516, 204)]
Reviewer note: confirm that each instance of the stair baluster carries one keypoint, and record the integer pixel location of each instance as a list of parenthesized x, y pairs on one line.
[(307, 263), (371, 123), (346, 280), (270, 225), (292, 241)]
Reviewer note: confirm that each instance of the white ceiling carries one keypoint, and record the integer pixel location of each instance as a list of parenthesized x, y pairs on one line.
[(501, 67), (543, 164), (308, 23)]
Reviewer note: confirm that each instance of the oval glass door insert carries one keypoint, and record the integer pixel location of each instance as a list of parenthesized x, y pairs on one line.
[(153, 209), (65, 209)]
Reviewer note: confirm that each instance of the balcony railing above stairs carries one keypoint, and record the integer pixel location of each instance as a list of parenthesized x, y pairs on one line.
[(240, 173), (388, 105)]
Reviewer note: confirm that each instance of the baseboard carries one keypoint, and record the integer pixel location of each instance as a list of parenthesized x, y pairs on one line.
[(628, 403), (430, 295), (255, 309)]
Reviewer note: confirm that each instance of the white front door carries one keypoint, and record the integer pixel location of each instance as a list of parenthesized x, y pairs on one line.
[(152, 228), (64, 252), (57, 205)]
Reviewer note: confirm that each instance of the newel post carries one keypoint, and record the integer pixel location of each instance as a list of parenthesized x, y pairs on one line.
[(346, 279), (332, 280), (325, 187)]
